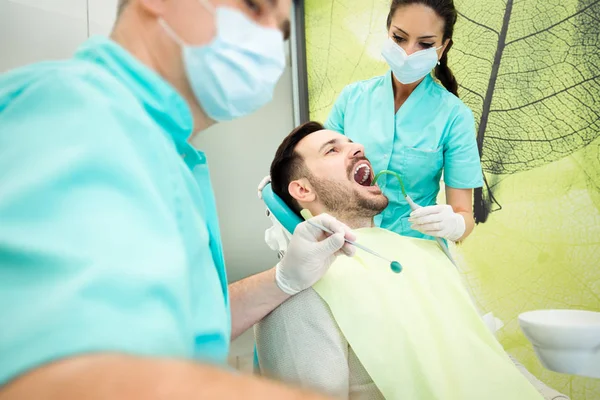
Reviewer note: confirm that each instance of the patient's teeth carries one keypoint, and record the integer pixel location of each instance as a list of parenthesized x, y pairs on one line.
[(367, 172), (362, 166)]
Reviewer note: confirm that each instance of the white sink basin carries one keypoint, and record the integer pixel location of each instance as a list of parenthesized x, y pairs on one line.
[(565, 341)]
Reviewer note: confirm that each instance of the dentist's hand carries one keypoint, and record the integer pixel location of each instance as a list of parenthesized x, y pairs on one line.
[(311, 252), (262, 185), (440, 221)]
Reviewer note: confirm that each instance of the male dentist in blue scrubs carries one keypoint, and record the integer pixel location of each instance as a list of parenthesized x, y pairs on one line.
[(112, 281)]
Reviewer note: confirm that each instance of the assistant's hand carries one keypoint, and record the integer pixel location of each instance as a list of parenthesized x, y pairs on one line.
[(262, 185), (440, 221), (311, 252)]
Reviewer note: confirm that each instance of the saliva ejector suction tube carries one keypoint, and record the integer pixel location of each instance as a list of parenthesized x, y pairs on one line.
[(413, 207)]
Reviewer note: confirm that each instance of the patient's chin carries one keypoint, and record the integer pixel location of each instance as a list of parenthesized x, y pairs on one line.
[(373, 203), (382, 204)]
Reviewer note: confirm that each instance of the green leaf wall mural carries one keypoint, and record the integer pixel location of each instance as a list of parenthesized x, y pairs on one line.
[(530, 71)]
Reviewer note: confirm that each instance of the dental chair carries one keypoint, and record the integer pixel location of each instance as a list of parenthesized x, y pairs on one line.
[(284, 221), (278, 236)]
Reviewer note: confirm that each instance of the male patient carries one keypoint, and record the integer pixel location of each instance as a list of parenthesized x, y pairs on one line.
[(364, 332)]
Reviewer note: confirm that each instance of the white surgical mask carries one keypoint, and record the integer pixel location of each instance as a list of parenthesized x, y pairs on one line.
[(236, 73), (409, 69)]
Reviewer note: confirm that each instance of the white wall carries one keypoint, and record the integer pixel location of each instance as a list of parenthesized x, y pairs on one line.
[(33, 30), (239, 152), (102, 15), (239, 155)]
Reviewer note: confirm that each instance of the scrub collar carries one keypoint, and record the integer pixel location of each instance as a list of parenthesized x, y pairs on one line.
[(158, 97)]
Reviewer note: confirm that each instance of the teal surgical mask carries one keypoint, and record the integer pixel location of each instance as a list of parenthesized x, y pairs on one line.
[(409, 69), (236, 73)]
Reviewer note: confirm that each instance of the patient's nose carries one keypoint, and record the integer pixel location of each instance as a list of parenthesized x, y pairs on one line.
[(358, 150)]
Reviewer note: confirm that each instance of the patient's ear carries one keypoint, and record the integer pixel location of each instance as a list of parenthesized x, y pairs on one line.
[(301, 191)]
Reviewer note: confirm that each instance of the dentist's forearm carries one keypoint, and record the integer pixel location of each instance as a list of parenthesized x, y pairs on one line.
[(110, 376), (252, 299)]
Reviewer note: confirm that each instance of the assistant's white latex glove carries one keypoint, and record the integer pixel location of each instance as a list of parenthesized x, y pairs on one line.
[(262, 185), (439, 221), (311, 252)]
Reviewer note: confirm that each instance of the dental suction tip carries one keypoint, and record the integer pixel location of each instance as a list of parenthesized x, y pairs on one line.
[(396, 267)]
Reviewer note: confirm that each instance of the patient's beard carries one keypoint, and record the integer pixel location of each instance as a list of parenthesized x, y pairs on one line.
[(346, 203)]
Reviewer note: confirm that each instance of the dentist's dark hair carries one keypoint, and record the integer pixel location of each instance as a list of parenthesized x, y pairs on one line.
[(444, 9), (288, 164), (121, 6)]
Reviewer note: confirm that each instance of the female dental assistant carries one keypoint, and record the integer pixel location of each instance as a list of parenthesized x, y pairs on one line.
[(112, 276), (410, 124)]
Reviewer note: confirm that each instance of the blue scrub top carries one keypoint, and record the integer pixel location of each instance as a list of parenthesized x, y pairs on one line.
[(433, 131), (109, 239)]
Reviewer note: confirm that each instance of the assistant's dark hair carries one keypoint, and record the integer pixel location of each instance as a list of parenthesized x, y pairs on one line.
[(444, 9), (288, 164)]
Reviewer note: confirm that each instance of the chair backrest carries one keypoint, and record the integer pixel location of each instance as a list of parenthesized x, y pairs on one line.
[(284, 217), (280, 210)]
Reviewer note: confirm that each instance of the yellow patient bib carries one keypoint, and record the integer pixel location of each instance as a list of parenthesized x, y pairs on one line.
[(417, 333)]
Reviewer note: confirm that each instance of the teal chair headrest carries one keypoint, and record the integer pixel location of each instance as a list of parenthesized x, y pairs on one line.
[(280, 210)]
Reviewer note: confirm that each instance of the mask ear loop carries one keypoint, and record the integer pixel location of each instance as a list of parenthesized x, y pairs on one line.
[(208, 5), (436, 49), (446, 50), (171, 32)]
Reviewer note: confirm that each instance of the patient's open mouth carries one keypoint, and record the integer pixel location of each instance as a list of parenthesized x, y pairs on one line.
[(362, 174)]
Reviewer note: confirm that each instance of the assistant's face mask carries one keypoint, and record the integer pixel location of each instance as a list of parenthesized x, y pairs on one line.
[(409, 69), (236, 73)]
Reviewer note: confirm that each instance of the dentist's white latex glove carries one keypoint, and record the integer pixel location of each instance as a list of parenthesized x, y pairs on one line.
[(439, 221), (262, 185), (311, 252)]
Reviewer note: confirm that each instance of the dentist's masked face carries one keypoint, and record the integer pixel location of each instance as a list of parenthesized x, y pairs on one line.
[(236, 73)]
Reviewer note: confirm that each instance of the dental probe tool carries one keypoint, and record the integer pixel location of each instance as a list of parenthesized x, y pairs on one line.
[(394, 265)]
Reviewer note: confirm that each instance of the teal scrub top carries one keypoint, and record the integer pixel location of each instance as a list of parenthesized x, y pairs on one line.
[(109, 240), (433, 131)]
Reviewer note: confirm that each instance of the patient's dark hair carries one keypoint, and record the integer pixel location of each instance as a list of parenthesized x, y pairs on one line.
[(288, 165)]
